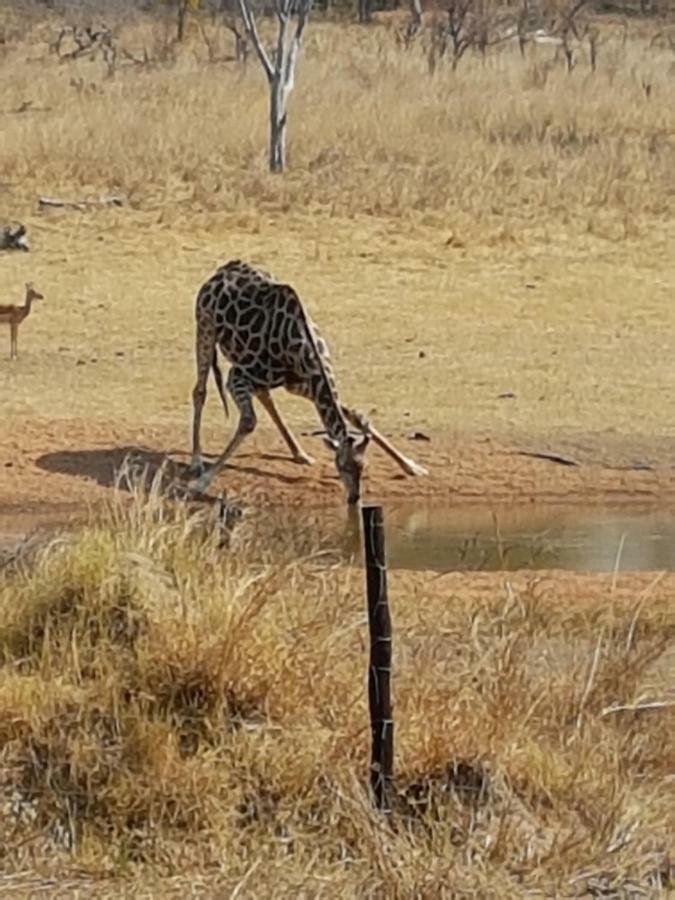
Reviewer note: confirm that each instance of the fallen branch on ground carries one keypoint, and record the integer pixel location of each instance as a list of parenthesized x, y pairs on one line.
[(549, 457), (79, 204)]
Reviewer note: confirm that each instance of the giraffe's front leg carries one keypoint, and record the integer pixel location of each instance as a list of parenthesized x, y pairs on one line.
[(242, 390), (299, 455), (409, 466)]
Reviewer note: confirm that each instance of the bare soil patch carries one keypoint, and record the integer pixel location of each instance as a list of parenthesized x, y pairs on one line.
[(58, 468)]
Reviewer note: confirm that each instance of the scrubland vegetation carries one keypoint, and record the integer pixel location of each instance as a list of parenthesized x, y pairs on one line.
[(169, 708), (505, 144)]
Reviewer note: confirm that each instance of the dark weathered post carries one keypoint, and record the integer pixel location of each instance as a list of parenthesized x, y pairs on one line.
[(379, 672)]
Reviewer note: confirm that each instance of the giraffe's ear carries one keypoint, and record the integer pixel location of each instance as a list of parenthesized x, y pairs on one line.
[(330, 442)]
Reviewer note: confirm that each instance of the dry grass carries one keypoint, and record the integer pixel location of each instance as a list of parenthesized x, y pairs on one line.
[(501, 147), (417, 201), (166, 708)]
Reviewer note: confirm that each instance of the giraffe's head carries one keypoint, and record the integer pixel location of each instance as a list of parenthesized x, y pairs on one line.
[(349, 459)]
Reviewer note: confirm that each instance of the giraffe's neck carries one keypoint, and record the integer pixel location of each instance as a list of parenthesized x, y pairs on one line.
[(328, 407)]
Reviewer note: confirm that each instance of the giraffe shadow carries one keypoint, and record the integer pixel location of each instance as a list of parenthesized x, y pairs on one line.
[(105, 465)]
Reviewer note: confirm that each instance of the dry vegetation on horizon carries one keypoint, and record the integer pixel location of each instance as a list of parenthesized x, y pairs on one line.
[(502, 144), (166, 708)]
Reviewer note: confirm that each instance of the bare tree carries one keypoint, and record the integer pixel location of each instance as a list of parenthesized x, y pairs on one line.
[(279, 65), (181, 16), (183, 7), (364, 12)]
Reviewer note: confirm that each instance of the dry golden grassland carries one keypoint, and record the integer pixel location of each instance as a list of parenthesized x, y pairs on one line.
[(168, 709), (510, 221), (498, 147)]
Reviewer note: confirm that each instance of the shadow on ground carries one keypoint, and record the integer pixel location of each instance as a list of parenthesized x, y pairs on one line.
[(132, 468), (104, 466)]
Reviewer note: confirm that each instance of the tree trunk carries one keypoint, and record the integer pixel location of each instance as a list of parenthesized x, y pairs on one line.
[(180, 23), (277, 128), (364, 11), (280, 68), (416, 12)]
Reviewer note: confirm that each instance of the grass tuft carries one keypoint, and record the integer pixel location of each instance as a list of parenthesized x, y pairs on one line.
[(168, 705)]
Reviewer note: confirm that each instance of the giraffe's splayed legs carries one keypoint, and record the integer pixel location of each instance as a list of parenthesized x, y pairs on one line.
[(409, 466), (207, 358), (242, 391), (298, 454)]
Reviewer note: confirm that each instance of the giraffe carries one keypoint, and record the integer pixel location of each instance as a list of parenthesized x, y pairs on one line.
[(264, 331)]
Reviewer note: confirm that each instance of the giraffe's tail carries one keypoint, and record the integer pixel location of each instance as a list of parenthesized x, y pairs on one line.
[(218, 375)]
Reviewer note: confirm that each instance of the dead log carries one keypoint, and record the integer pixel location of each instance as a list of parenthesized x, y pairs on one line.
[(56, 203)]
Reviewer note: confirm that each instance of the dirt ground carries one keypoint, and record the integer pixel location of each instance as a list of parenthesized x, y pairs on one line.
[(540, 373), (52, 469)]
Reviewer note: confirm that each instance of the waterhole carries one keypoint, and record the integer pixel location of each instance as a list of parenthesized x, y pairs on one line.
[(446, 539), (550, 537)]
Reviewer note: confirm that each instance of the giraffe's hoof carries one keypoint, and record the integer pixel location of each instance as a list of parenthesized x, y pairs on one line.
[(202, 484), (413, 468), (196, 468), (303, 459)]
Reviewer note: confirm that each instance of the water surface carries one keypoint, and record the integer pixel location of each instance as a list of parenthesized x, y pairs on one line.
[(531, 537), (467, 538)]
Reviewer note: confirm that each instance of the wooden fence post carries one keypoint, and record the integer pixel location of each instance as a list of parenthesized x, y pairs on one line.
[(379, 671)]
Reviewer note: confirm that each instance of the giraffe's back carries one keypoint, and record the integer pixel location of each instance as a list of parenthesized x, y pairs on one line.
[(260, 325)]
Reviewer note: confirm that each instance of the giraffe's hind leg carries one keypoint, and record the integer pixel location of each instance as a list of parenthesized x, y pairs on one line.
[(299, 455), (409, 466), (205, 350), (242, 390), (217, 374)]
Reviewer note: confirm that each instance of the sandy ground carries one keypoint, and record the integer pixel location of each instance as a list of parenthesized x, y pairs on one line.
[(493, 354), (56, 468)]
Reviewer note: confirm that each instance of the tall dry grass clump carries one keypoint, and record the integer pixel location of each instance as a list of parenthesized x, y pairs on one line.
[(168, 706), (504, 141)]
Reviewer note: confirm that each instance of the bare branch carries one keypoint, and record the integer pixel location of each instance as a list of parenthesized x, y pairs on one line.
[(252, 31), (280, 56), (281, 7), (292, 58)]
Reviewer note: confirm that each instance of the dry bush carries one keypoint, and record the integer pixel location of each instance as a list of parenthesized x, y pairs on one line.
[(502, 142), (168, 707)]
